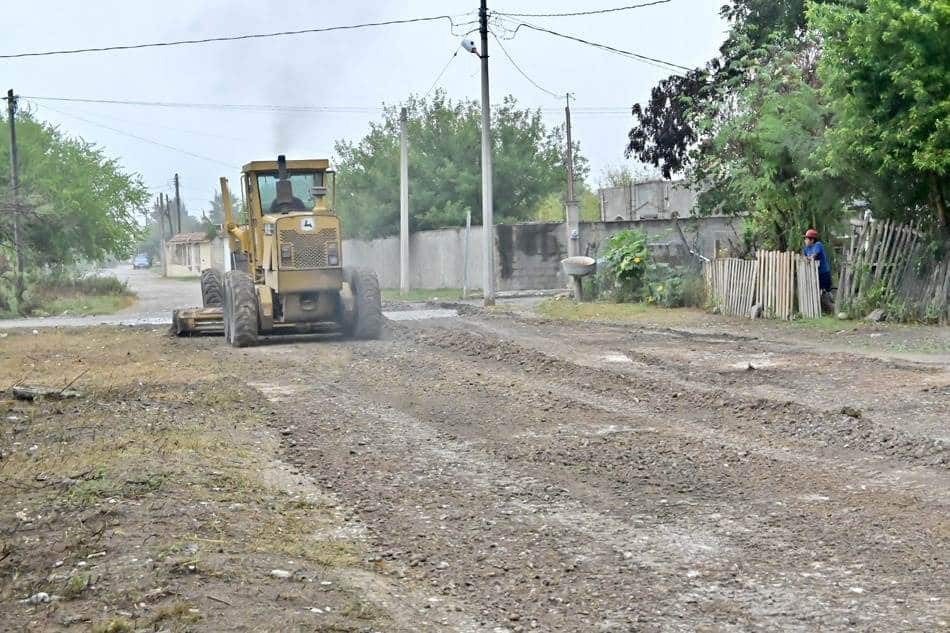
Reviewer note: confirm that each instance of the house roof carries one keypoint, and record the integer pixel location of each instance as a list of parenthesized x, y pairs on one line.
[(189, 238)]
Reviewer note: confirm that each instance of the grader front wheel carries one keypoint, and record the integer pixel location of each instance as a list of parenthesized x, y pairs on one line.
[(240, 309), (366, 321)]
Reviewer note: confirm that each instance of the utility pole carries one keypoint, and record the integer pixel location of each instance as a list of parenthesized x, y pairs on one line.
[(178, 203), (572, 213), (488, 222), (161, 224), (14, 198), (403, 204)]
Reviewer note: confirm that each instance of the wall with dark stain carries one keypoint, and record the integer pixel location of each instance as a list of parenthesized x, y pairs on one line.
[(527, 256)]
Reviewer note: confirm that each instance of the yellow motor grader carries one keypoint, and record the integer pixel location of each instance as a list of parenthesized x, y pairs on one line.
[(286, 263)]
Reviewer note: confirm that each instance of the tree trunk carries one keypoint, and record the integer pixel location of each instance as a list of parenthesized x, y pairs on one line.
[(938, 202)]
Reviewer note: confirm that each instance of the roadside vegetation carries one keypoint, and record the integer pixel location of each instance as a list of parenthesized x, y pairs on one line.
[(72, 292), (75, 206)]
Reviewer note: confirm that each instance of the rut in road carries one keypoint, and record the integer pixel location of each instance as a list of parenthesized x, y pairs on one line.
[(612, 505)]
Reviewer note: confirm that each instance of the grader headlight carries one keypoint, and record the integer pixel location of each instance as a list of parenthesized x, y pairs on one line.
[(333, 255), (286, 254)]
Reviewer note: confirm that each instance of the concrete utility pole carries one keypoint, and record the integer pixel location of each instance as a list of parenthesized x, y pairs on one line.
[(161, 224), (14, 198), (403, 204), (488, 222), (571, 211), (178, 203)]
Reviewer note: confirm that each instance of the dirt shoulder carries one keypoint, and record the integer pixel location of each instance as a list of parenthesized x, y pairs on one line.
[(158, 500)]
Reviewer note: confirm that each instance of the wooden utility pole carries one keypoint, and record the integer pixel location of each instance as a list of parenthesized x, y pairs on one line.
[(488, 222), (403, 204), (177, 203), (14, 197)]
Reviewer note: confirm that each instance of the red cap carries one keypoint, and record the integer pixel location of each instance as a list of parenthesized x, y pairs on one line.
[(811, 233)]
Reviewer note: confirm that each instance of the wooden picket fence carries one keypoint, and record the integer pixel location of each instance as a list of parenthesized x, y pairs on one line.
[(889, 258), (770, 280)]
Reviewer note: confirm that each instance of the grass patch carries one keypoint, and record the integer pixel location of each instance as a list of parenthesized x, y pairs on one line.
[(83, 305), (419, 294), (566, 310), (115, 625)]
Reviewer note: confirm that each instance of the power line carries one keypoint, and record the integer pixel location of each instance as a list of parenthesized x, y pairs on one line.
[(653, 61), (143, 139), (219, 106), (152, 124), (579, 13), (232, 38), (518, 68)]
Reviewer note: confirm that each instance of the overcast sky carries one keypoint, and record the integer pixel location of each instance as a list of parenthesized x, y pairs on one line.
[(357, 69)]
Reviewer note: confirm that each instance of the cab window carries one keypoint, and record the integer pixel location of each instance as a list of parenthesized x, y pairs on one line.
[(301, 184)]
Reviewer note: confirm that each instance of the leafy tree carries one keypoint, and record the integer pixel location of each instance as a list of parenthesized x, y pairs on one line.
[(762, 159), (83, 206), (625, 175), (885, 70), (445, 167), (680, 107)]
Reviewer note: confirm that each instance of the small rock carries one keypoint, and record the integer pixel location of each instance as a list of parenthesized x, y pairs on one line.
[(842, 316), (851, 412), (280, 573), (39, 598), (875, 316)]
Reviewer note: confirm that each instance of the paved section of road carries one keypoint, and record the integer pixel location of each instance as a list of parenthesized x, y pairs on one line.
[(158, 297)]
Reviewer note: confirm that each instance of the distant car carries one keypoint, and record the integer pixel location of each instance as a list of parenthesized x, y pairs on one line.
[(141, 261)]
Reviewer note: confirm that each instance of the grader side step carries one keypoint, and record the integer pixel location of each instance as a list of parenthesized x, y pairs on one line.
[(198, 321)]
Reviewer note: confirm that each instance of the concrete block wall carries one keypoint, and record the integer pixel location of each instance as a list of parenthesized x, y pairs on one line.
[(527, 256)]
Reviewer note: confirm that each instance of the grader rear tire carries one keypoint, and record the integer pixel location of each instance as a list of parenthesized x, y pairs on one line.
[(212, 288), (367, 321), (240, 309)]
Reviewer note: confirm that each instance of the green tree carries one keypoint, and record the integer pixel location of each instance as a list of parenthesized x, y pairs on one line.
[(760, 158), (445, 167), (83, 206), (885, 71)]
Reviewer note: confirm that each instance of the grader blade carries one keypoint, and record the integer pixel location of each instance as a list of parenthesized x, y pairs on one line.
[(198, 321)]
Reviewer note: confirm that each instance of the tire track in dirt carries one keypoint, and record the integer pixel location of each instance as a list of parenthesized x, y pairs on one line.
[(409, 432)]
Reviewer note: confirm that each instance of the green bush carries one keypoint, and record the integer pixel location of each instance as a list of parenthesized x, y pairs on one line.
[(629, 273), (625, 260)]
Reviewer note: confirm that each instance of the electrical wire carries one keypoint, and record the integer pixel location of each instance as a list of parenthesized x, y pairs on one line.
[(442, 72), (232, 38), (653, 61), (217, 106), (152, 124), (518, 68), (143, 139), (580, 13)]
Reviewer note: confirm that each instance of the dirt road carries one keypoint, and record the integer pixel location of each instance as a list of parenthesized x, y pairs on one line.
[(498, 473), (569, 478)]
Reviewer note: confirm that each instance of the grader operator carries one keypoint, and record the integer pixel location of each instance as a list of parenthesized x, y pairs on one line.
[(286, 266)]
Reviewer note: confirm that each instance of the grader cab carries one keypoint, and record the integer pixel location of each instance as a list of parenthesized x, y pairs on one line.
[(286, 272)]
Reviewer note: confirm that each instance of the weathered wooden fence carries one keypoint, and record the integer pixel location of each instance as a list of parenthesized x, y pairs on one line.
[(732, 285), (888, 261), (735, 286)]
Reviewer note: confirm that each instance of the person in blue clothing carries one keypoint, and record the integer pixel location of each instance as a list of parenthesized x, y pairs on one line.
[(814, 250)]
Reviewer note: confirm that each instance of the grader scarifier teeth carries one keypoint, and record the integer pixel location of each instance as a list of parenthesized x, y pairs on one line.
[(198, 321)]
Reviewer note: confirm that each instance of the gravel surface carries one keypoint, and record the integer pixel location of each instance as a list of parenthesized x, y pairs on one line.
[(523, 476)]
